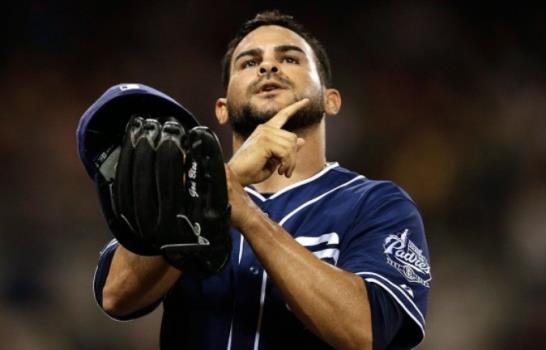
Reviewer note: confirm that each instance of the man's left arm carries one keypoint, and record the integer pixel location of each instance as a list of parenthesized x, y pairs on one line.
[(331, 302)]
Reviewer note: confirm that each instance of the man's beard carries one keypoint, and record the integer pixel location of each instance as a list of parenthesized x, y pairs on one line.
[(244, 119)]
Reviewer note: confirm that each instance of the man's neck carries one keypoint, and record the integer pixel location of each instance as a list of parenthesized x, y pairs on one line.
[(310, 159)]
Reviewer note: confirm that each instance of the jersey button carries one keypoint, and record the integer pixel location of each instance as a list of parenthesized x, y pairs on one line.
[(254, 270)]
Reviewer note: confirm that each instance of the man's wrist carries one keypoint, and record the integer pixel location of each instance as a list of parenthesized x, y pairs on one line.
[(233, 170), (252, 221)]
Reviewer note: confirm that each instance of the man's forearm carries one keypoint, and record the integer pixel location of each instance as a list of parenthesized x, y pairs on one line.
[(331, 302), (135, 282)]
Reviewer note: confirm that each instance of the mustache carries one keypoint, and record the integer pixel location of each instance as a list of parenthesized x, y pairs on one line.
[(284, 82)]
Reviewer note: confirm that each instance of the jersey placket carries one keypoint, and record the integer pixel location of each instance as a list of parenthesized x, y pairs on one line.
[(247, 308)]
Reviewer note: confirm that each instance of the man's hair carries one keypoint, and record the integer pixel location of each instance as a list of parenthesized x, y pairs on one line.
[(279, 19)]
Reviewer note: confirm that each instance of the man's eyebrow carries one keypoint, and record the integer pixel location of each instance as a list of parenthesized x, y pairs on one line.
[(284, 48), (251, 52)]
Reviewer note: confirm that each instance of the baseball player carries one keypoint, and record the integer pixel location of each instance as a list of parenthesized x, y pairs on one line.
[(321, 257)]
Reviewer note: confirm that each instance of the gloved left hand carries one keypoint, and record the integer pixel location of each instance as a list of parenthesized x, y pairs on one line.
[(162, 185)]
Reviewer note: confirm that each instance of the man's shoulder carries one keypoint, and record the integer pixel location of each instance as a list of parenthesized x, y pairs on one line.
[(360, 186)]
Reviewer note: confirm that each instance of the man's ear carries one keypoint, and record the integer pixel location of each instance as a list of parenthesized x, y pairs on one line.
[(332, 101), (220, 108)]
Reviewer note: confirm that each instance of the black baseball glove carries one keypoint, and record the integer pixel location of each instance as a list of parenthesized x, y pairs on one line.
[(161, 180), (169, 195)]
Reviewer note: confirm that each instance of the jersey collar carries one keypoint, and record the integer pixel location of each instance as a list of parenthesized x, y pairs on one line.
[(329, 166)]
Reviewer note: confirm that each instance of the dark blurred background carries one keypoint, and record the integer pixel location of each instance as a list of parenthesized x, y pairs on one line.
[(448, 99)]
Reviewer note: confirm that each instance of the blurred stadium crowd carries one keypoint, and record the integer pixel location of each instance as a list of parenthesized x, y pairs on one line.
[(446, 99)]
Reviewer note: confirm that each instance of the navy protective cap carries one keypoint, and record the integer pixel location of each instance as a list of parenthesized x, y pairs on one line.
[(102, 126)]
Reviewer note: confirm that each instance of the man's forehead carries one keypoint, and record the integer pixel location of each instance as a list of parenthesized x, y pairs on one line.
[(271, 35)]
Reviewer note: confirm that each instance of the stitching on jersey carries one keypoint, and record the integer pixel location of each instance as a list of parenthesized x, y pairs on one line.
[(306, 181), (261, 311), (241, 244), (281, 223), (241, 248), (325, 246), (256, 194), (331, 238), (398, 288), (297, 184), (373, 280), (316, 199)]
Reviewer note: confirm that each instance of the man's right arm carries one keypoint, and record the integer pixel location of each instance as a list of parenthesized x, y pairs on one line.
[(135, 282)]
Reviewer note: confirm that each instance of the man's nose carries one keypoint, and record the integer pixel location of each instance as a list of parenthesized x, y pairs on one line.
[(268, 67)]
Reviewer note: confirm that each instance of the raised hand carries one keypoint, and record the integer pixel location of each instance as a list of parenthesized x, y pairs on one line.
[(268, 148)]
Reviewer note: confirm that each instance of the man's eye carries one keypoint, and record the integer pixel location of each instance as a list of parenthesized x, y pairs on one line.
[(290, 60), (248, 63)]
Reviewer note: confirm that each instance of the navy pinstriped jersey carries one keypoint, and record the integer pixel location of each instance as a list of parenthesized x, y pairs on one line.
[(370, 228)]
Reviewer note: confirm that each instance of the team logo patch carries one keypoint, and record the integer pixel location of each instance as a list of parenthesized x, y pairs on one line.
[(407, 258)]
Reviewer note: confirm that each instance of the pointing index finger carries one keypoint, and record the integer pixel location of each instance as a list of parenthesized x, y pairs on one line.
[(284, 114)]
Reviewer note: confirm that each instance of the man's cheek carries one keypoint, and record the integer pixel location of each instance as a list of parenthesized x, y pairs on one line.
[(236, 96)]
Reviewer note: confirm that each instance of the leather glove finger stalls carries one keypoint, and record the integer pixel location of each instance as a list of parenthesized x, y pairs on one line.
[(170, 178)]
